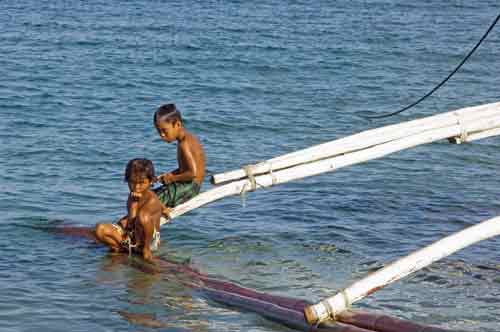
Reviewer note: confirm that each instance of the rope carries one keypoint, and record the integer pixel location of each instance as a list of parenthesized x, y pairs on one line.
[(443, 81), (128, 243), (253, 184), (274, 180), (130, 246), (243, 195), (249, 172), (253, 181), (463, 130), (330, 310)]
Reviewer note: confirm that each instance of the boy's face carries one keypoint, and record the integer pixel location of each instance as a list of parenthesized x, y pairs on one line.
[(167, 130), (138, 184)]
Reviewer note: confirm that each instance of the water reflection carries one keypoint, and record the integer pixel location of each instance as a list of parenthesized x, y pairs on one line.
[(160, 295)]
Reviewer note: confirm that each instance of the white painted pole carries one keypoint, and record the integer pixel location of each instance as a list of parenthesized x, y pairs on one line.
[(484, 134), (364, 140), (331, 164), (334, 305)]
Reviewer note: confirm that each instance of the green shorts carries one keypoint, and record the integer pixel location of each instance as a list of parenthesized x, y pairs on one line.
[(175, 193)]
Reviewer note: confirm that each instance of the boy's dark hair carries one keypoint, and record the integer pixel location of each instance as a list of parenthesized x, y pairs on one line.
[(167, 112), (141, 168)]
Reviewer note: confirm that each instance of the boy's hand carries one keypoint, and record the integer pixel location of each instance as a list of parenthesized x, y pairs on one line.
[(133, 210), (166, 212), (123, 222), (166, 178), (135, 196)]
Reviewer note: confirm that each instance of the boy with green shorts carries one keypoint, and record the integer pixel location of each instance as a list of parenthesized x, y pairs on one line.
[(184, 182)]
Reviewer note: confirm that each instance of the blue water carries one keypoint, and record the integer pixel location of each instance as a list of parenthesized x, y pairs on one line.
[(78, 86)]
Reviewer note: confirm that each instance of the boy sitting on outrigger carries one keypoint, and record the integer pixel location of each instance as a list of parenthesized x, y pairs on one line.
[(177, 187), (139, 230), (185, 182)]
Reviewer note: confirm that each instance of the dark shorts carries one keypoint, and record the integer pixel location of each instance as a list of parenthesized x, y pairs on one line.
[(175, 193)]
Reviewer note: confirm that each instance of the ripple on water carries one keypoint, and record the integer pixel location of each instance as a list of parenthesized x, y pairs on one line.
[(253, 80)]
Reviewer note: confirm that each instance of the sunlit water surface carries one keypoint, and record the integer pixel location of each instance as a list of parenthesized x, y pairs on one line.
[(78, 86)]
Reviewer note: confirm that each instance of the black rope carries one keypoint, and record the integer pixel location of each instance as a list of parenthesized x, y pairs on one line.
[(443, 81)]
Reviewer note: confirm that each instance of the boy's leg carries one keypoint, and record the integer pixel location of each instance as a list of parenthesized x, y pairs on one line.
[(110, 235), (166, 195), (186, 191)]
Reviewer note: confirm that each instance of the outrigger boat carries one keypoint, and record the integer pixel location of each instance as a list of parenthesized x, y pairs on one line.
[(330, 315), (284, 310), (335, 313)]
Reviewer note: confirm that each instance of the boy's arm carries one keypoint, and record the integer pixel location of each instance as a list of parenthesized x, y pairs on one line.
[(191, 170), (175, 171), (132, 209), (166, 177)]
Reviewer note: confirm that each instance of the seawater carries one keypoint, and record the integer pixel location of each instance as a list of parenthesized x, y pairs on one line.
[(80, 81)]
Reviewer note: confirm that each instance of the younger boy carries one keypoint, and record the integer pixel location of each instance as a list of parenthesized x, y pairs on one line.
[(139, 231), (185, 182)]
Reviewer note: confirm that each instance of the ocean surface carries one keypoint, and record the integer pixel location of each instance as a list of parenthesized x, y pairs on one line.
[(80, 80)]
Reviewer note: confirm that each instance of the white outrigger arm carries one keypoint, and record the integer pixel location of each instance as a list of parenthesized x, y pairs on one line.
[(333, 306), (459, 126)]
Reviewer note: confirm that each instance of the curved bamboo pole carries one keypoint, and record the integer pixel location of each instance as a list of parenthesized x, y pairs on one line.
[(486, 126), (363, 140), (333, 306)]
